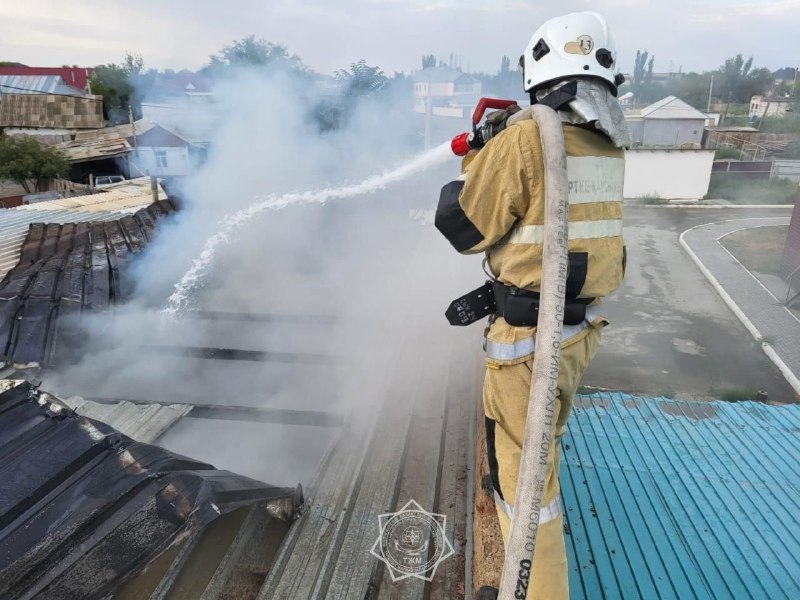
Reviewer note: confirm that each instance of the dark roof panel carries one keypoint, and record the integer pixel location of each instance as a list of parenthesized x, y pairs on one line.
[(62, 271), (84, 508)]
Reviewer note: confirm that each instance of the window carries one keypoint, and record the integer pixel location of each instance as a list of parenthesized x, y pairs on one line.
[(161, 158)]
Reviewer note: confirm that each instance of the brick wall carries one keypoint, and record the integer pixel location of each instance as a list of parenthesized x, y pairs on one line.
[(791, 252), (48, 110)]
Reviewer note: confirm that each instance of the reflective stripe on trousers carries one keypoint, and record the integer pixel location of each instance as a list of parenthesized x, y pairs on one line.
[(547, 513), (524, 347)]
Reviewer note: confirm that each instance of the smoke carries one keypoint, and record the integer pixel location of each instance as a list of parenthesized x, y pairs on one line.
[(328, 232)]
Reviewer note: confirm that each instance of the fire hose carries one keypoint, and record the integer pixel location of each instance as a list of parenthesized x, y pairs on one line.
[(516, 573)]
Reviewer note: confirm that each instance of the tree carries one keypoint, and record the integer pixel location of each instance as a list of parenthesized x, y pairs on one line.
[(117, 85), (693, 89), (24, 159), (428, 61), (733, 71), (253, 52), (361, 80), (506, 83), (642, 73)]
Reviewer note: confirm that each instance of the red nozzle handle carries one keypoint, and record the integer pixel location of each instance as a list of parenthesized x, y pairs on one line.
[(485, 103)]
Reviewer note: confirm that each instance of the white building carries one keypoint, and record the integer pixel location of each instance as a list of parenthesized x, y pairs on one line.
[(448, 92), (764, 106), (668, 123)]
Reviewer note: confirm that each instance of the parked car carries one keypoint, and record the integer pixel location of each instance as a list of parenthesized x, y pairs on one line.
[(104, 180)]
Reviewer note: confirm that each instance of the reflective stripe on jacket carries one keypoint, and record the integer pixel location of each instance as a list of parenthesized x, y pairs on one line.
[(497, 207)]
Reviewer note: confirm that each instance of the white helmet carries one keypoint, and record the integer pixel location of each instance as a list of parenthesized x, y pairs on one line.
[(577, 44)]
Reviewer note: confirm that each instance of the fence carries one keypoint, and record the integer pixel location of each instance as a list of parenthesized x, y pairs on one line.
[(758, 170)]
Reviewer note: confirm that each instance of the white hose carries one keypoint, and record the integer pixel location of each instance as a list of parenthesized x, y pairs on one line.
[(516, 574)]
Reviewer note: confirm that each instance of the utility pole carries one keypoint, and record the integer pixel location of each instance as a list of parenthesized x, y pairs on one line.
[(133, 124), (133, 135), (710, 91)]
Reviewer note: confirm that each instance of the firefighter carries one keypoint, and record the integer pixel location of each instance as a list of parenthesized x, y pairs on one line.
[(497, 207)]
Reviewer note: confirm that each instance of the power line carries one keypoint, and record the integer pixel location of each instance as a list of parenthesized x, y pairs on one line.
[(11, 87)]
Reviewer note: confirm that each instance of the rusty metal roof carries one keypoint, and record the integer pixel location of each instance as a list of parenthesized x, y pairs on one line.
[(678, 499)]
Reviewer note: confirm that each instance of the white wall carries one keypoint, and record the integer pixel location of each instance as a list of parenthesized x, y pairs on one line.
[(670, 174), (144, 157)]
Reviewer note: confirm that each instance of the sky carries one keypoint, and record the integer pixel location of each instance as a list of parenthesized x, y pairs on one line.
[(393, 34)]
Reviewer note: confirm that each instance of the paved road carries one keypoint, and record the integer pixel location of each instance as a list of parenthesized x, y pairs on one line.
[(671, 332), (762, 313)]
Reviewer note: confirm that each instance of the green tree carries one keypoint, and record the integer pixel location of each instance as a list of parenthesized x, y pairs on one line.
[(692, 88), (362, 80), (117, 84), (24, 159), (733, 71), (252, 52), (506, 83), (428, 61), (740, 81), (642, 74)]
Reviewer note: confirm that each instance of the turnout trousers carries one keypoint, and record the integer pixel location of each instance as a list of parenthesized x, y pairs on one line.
[(505, 403)]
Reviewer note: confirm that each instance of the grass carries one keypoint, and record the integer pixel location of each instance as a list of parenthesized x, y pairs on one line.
[(651, 199), (759, 249), (736, 394), (725, 152), (739, 190)]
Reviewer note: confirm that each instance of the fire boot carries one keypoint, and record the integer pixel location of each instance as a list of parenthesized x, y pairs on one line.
[(487, 593)]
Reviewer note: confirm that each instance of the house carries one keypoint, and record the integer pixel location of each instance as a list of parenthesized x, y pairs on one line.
[(770, 106), (47, 107), (447, 92), (38, 84), (670, 122), (74, 77), (135, 149)]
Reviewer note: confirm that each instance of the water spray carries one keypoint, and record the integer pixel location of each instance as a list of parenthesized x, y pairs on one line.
[(230, 224)]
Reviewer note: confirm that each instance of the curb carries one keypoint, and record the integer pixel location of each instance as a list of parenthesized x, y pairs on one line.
[(787, 373)]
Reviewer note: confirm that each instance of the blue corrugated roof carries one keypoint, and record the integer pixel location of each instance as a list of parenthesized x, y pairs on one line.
[(675, 499)]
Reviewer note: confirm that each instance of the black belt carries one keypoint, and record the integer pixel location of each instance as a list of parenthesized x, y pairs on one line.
[(518, 307)]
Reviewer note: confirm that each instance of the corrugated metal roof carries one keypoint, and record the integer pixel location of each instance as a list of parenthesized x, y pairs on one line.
[(671, 108), (81, 151), (142, 422), (36, 84), (126, 196), (84, 508), (674, 499), (74, 76), (124, 131), (113, 203), (62, 272), (14, 225)]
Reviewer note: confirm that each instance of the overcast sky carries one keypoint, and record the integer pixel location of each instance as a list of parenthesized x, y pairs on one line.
[(327, 35)]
